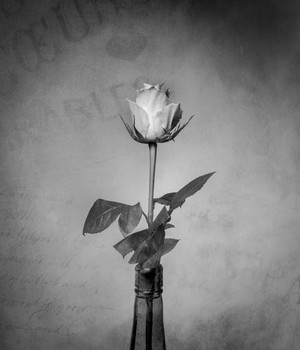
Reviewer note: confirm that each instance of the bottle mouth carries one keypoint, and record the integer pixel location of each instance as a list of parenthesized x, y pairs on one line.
[(148, 282)]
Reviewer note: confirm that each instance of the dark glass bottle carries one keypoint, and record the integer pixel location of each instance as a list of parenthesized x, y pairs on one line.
[(148, 325)]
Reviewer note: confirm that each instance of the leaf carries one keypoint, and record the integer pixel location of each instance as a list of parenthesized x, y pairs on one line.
[(149, 246), (130, 218), (188, 190), (168, 245), (162, 217), (103, 213), (169, 226), (165, 199), (131, 242), (177, 131)]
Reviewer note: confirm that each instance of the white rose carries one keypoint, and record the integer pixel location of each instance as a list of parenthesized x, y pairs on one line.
[(153, 118)]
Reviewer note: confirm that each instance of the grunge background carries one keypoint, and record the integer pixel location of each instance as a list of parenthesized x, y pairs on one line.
[(233, 280)]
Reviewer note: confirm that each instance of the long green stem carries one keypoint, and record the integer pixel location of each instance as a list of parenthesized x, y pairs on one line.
[(152, 156)]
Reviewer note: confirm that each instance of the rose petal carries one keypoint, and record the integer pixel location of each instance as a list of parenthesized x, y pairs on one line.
[(139, 136), (147, 86), (159, 86), (151, 137), (139, 118), (170, 115), (152, 100), (156, 129), (131, 131)]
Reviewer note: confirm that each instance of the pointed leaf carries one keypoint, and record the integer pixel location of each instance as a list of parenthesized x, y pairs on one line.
[(169, 226), (177, 131), (188, 190), (168, 245), (103, 213), (165, 199), (149, 246), (130, 218), (162, 217), (131, 242)]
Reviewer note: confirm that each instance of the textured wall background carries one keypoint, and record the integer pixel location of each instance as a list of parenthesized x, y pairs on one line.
[(233, 281)]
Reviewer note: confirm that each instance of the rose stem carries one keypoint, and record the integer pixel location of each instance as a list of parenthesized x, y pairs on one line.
[(152, 155)]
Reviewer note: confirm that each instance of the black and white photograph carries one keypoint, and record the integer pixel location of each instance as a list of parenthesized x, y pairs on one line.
[(150, 175)]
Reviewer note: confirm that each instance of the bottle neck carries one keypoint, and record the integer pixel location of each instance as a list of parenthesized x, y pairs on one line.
[(148, 282), (148, 325)]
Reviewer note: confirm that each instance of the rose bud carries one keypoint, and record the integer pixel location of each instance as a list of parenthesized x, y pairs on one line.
[(153, 118)]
